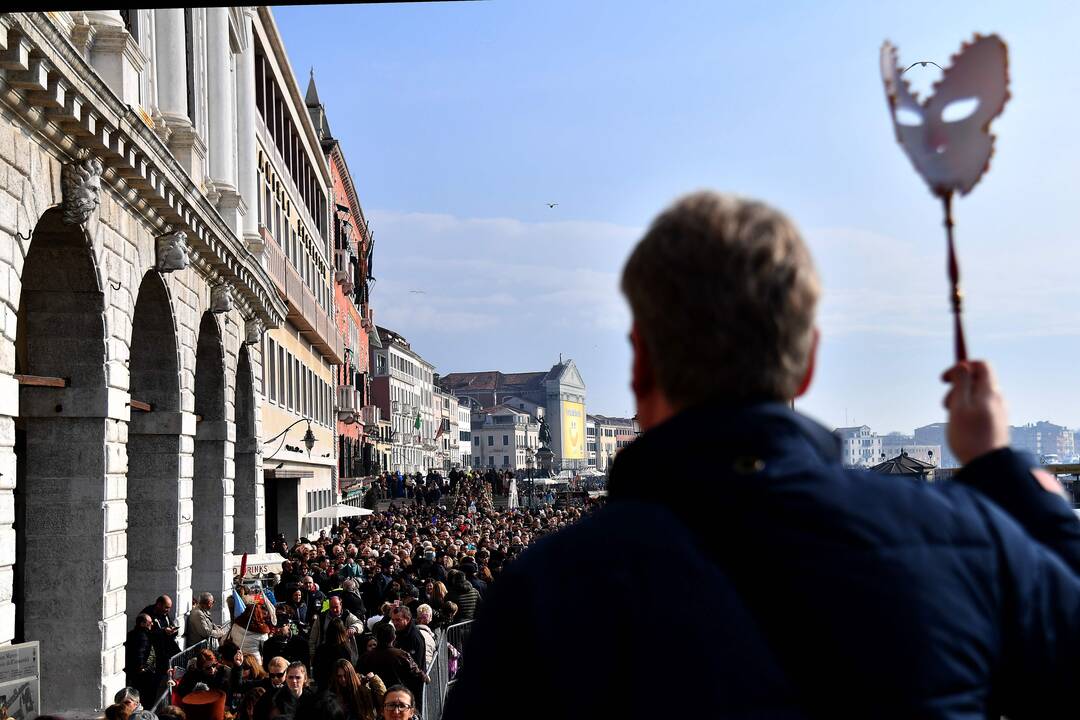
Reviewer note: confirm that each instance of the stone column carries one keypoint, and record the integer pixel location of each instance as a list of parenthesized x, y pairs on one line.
[(221, 92), (170, 64), (246, 117)]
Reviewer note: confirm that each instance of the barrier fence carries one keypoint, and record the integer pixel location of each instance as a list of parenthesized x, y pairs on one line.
[(448, 653)]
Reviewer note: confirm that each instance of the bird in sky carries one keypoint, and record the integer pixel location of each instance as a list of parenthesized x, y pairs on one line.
[(924, 63), (418, 292), (552, 205)]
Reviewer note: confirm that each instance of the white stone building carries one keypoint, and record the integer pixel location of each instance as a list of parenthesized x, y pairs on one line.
[(135, 299), (464, 433), (402, 386), (501, 435)]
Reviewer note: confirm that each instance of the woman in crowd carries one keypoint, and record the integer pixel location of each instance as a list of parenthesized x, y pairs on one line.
[(360, 695), (399, 703), (336, 647)]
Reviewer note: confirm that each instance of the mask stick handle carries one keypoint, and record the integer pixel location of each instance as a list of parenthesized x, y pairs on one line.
[(954, 280)]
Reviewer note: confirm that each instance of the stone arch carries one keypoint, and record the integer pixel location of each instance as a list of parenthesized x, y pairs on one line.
[(211, 516), (64, 514), (247, 534), (157, 531)]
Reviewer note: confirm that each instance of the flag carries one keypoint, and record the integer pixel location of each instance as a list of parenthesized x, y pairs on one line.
[(270, 597), (238, 604), (416, 425), (243, 565)]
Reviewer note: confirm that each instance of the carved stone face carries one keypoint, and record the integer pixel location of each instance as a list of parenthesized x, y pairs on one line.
[(221, 298), (948, 137), (252, 332), (81, 185), (171, 251)]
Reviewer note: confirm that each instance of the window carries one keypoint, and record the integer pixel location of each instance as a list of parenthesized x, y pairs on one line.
[(506, 459), (491, 461), (506, 439), (491, 440), (271, 370)]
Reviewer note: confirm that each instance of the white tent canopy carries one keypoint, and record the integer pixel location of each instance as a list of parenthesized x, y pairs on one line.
[(333, 512)]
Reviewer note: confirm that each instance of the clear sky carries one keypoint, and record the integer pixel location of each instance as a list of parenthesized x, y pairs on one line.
[(460, 121)]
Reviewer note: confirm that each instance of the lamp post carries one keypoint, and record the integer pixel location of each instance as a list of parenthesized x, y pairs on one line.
[(529, 469), (309, 437)]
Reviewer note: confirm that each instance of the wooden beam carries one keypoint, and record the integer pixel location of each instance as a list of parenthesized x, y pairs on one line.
[(42, 381), (139, 405)]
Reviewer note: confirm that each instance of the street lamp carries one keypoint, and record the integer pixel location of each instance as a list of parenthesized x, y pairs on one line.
[(309, 437), (529, 469)]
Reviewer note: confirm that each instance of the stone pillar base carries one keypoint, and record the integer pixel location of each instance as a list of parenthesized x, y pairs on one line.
[(188, 147), (119, 60)]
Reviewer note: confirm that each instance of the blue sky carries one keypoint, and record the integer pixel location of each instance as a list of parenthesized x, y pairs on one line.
[(461, 120)]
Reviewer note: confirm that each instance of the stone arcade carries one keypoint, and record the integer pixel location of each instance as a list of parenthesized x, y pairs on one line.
[(133, 311)]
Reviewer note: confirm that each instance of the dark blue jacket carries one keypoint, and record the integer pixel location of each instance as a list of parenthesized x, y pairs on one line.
[(791, 585)]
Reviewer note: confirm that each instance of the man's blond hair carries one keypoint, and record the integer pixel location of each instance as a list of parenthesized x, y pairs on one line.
[(723, 293)]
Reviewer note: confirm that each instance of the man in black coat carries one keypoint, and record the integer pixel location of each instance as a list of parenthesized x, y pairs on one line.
[(163, 630), (140, 666), (407, 637), (811, 590)]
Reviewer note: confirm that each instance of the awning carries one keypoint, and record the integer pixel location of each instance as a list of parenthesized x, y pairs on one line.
[(288, 474), (333, 512)]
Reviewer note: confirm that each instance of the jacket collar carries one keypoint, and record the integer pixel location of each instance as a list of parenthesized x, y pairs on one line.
[(711, 437)]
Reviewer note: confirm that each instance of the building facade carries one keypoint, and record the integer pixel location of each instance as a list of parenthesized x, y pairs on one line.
[(560, 391), (612, 434), (352, 250), (464, 435), (501, 436), (292, 207), (133, 352), (402, 385)]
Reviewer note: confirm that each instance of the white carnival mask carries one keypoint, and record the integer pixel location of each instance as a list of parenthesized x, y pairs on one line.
[(948, 137)]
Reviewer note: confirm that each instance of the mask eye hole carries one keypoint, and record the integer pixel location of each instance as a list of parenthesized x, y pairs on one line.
[(959, 110), (908, 117)]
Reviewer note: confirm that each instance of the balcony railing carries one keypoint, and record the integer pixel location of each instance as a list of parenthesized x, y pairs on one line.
[(370, 415), (343, 271), (347, 403), (304, 310)]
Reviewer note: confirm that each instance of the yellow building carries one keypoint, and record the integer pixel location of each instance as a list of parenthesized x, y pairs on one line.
[(298, 373)]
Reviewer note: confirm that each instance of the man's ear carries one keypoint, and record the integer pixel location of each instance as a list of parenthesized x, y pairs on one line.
[(811, 364)]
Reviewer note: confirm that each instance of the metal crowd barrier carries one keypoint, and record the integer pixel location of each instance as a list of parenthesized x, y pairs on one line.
[(434, 696)]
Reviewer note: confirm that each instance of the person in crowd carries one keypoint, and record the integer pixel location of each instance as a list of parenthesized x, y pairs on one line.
[(200, 622), (832, 592), (359, 695), (296, 678), (252, 670), (314, 598), (394, 666), (336, 645), (462, 594), (129, 697), (275, 674), (163, 631), (140, 661), (253, 626), (399, 703), (319, 631), (248, 705), (469, 567), (171, 712), (351, 598), (424, 616), (208, 671), (407, 636)]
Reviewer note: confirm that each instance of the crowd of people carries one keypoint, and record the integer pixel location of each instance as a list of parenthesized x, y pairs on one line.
[(350, 626)]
